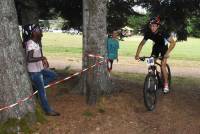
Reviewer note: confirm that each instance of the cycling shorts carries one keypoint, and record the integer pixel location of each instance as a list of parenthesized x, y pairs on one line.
[(158, 51)]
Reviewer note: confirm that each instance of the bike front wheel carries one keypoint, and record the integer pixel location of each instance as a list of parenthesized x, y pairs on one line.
[(149, 92)]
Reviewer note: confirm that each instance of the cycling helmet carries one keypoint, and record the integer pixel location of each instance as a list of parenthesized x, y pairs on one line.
[(155, 20)]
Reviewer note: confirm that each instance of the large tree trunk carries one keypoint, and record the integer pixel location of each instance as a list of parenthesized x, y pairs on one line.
[(84, 58), (14, 79), (96, 80)]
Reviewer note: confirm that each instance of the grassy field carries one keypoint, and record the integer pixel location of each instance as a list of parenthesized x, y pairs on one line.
[(64, 45)]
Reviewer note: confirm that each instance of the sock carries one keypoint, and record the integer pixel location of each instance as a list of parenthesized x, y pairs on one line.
[(166, 85)]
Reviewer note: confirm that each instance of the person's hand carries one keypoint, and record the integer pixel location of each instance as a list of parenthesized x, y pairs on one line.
[(45, 62), (137, 57)]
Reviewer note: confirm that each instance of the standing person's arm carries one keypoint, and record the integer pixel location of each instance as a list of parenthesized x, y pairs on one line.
[(44, 61), (139, 49)]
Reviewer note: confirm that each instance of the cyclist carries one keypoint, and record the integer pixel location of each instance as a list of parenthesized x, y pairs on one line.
[(160, 47)]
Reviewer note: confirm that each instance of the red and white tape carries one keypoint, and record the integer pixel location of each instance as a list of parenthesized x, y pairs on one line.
[(95, 56), (75, 74), (54, 83)]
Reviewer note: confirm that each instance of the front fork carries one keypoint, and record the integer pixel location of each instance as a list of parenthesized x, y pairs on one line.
[(157, 75)]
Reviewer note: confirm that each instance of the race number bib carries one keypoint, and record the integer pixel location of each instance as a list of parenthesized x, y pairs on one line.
[(150, 61)]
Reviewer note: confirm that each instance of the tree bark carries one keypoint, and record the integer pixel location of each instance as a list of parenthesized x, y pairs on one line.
[(96, 80), (84, 58), (14, 79)]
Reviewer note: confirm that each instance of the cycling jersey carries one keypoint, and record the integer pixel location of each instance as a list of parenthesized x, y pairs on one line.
[(160, 46)]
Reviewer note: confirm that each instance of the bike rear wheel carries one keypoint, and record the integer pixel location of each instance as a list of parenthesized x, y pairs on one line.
[(149, 91)]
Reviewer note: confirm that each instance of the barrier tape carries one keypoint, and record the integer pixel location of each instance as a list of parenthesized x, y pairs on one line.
[(55, 83), (95, 56)]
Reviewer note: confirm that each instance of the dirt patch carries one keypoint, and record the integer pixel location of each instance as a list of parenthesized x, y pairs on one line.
[(124, 112)]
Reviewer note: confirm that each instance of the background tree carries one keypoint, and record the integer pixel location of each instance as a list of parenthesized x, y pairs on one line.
[(14, 79), (28, 11), (193, 27), (173, 13), (85, 42), (45, 24), (137, 22), (118, 13), (71, 10)]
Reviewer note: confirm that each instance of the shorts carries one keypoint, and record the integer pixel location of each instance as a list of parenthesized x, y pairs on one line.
[(159, 51)]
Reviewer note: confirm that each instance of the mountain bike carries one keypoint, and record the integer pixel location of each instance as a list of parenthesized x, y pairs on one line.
[(154, 81)]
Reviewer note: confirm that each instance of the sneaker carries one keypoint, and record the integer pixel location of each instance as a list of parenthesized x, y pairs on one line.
[(52, 113), (166, 89)]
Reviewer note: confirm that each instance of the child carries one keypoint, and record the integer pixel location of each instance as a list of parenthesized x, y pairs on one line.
[(112, 49)]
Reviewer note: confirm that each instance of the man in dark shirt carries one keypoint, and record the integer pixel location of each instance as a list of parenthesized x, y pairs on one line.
[(160, 47)]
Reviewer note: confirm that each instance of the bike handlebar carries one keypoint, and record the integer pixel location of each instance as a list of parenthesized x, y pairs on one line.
[(145, 57)]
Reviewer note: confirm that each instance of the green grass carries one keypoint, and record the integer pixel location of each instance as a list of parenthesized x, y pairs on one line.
[(187, 50), (59, 51), (64, 45)]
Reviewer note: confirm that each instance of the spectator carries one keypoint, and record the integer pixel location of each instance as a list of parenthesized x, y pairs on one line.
[(112, 49), (38, 67)]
